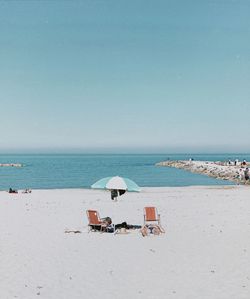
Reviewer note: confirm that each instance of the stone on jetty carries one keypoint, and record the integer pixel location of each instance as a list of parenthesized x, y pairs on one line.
[(216, 170)]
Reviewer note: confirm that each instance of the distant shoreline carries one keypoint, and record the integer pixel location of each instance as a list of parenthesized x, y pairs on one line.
[(143, 189)]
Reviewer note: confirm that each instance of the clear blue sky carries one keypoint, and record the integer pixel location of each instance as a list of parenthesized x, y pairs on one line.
[(125, 76)]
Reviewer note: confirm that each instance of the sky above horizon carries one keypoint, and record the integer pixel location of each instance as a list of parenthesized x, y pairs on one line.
[(125, 76)]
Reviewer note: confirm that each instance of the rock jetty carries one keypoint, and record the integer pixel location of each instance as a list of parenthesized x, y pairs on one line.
[(10, 165), (216, 170)]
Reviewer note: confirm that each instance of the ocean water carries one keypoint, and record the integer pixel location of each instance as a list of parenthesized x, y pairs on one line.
[(81, 171)]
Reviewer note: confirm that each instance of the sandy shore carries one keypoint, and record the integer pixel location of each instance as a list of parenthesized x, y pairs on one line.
[(205, 252)]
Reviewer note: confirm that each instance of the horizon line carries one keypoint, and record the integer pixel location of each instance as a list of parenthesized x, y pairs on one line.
[(121, 153)]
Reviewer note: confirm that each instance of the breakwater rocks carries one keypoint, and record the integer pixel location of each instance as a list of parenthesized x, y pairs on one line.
[(11, 165), (216, 170)]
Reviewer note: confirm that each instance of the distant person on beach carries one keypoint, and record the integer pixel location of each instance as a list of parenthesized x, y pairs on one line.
[(229, 162), (244, 162), (114, 194)]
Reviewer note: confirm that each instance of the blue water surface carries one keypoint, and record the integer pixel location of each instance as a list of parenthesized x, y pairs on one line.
[(81, 171)]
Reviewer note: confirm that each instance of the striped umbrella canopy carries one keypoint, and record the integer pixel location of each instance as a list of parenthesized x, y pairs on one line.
[(117, 183)]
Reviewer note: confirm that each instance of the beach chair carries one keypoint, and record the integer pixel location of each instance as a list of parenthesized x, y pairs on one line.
[(95, 222), (152, 219)]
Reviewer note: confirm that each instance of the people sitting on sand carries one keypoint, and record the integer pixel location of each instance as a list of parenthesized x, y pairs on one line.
[(27, 191), (12, 191), (111, 228), (107, 221), (154, 229)]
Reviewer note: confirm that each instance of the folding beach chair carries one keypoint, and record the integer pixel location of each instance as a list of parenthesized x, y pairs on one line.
[(95, 222), (152, 218)]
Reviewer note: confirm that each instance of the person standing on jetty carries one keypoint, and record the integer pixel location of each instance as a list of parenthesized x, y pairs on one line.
[(246, 173), (236, 162), (244, 163), (241, 174)]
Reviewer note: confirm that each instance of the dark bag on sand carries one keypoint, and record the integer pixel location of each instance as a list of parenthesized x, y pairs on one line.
[(121, 225), (121, 192)]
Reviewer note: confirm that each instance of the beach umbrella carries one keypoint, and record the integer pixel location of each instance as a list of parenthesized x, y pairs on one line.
[(116, 183)]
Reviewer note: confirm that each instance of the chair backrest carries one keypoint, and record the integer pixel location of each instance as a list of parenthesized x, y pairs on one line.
[(93, 217), (150, 214)]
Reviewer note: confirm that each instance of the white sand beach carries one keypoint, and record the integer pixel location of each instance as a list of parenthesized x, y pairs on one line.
[(205, 252)]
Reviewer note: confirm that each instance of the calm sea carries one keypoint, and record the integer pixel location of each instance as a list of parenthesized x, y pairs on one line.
[(80, 171)]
